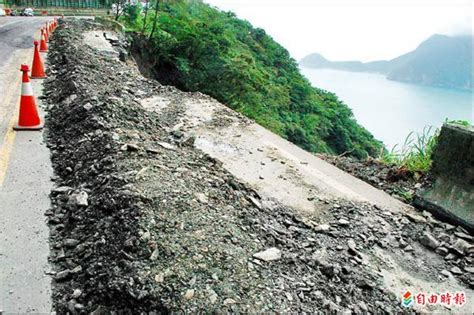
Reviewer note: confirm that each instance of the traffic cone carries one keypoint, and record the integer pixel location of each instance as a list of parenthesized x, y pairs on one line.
[(43, 45), (46, 34), (29, 118), (37, 68), (43, 30)]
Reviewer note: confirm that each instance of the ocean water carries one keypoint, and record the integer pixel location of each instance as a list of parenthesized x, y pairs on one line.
[(391, 110)]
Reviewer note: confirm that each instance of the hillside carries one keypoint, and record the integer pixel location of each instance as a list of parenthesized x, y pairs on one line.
[(440, 61), (199, 48)]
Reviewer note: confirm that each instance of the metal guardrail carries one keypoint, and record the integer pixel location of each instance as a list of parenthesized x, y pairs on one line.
[(78, 4)]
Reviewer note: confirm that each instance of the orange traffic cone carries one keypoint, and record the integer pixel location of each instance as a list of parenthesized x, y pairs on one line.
[(37, 68), (46, 34), (43, 45), (29, 118)]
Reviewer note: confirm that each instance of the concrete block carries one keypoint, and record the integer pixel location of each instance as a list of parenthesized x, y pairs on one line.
[(451, 197)]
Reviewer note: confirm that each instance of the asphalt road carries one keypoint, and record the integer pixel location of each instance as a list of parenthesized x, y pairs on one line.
[(16, 33), (25, 181), (16, 40)]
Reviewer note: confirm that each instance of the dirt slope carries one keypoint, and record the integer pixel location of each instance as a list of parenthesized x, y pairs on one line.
[(144, 221)]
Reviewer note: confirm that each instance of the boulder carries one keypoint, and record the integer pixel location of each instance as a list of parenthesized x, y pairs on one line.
[(79, 199), (428, 240)]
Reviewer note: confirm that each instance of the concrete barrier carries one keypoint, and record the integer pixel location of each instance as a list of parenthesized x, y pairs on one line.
[(451, 197), (110, 23)]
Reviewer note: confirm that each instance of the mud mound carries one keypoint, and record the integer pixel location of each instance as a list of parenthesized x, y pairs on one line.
[(142, 221)]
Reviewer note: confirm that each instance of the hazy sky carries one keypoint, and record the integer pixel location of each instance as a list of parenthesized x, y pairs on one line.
[(353, 30)]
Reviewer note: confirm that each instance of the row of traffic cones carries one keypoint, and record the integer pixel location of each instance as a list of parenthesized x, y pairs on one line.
[(28, 117)]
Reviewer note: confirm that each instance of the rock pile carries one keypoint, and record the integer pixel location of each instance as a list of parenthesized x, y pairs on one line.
[(94, 219), (142, 221)]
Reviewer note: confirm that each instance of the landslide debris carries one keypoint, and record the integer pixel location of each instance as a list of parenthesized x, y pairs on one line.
[(142, 221), (394, 180)]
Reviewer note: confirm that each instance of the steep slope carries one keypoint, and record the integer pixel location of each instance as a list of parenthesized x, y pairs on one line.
[(199, 48), (441, 61)]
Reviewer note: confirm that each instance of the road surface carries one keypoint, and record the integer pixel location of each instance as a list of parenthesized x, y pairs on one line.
[(25, 173)]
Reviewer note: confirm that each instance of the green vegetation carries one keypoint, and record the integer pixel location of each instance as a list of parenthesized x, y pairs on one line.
[(199, 48), (415, 154)]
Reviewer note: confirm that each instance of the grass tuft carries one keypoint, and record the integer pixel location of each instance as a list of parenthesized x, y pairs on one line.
[(415, 153)]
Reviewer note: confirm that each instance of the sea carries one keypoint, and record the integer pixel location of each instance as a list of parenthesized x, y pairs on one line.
[(392, 110)]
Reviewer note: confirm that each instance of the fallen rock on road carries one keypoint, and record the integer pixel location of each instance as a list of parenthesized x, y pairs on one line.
[(142, 221)]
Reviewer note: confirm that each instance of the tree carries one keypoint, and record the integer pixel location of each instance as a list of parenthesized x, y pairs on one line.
[(147, 5), (117, 8), (203, 49), (155, 20)]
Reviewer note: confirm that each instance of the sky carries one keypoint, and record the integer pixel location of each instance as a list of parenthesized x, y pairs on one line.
[(363, 30)]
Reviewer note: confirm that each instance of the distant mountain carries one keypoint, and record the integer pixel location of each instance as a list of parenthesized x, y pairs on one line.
[(441, 61), (318, 61)]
